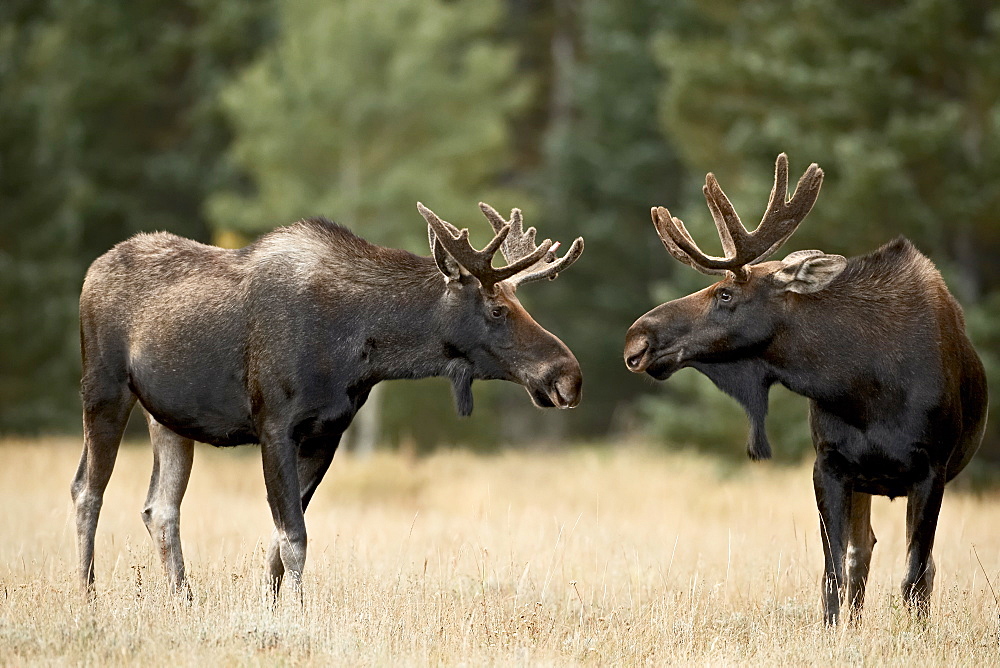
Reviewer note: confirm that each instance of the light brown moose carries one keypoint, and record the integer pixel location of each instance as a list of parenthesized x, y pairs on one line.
[(280, 343)]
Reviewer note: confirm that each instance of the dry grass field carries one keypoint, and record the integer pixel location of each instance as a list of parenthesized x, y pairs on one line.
[(622, 556)]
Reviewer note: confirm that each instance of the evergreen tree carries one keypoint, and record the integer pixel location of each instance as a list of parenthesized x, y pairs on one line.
[(361, 109), (38, 268), (899, 103), (136, 109)]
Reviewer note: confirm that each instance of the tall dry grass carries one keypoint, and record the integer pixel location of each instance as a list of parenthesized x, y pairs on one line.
[(617, 555)]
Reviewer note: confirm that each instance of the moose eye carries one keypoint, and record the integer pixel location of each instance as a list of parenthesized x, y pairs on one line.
[(498, 312), (724, 295)]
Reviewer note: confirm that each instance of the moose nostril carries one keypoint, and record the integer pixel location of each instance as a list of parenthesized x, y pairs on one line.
[(635, 359), (572, 390)]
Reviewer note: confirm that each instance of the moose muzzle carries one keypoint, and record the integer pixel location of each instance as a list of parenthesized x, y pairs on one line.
[(560, 385)]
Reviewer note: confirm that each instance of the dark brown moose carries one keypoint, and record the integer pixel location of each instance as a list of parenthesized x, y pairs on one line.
[(279, 343), (897, 395)]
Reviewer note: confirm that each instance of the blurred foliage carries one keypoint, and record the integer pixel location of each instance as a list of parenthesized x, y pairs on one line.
[(133, 109), (983, 323), (38, 267), (898, 102), (360, 109), (108, 125), (222, 119), (607, 162)]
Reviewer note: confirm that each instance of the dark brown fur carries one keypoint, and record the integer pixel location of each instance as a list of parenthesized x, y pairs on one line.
[(897, 394)]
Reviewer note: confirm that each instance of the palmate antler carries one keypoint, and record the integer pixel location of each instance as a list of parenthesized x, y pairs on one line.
[(521, 243), (525, 261), (742, 248)]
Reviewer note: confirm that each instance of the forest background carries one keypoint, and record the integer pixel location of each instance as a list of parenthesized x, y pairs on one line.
[(222, 119)]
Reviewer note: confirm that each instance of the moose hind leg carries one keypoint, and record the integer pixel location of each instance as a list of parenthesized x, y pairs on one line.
[(173, 456), (923, 505), (859, 552), (105, 414), (312, 464)]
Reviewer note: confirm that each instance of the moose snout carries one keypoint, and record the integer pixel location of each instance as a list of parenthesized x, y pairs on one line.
[(648, 350), (560, 385), (568, 389), (637, 345)]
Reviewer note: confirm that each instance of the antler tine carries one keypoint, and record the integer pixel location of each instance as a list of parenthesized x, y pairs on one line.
[(721, 222), (549, 267), (496, 220), (782, 218), (731, 232), (456, 242), (669, 229), (525, 262), (780, 187), (519, 242), (431, 235), (479, 263)]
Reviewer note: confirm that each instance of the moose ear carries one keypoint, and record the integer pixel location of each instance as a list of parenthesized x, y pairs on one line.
[(451, 269), (809, 271)]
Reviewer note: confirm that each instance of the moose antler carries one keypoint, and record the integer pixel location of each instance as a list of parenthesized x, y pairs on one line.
[(479, 263), (742, 248), (520, 243)]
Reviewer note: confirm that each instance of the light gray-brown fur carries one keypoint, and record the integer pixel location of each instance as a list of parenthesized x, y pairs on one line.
[(278, 343)]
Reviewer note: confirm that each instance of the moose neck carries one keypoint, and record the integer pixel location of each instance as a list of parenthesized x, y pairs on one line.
[(824, 348), (404, 331), (817, 352), (402, 339)]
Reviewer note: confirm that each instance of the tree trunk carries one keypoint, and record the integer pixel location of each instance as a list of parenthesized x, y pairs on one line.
[(364, 433)]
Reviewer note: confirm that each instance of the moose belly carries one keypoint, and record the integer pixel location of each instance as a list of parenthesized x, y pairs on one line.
[(206, 405), (874, 469)]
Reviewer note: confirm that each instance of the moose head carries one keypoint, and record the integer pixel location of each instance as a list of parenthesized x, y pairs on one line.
[(494, 335), (743, 309), (734, 320)]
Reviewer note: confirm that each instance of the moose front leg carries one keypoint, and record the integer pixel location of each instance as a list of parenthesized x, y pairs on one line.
[(923, 505), (859, 553), (833, 497), (281, 480), (312, 464)]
